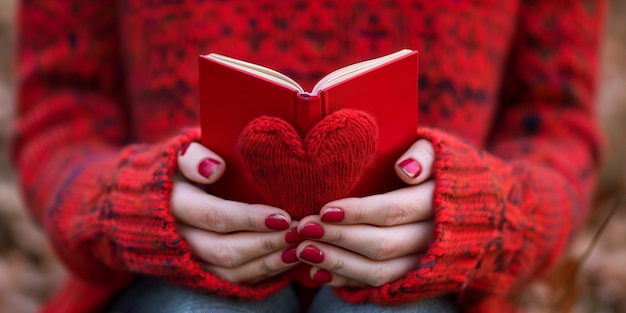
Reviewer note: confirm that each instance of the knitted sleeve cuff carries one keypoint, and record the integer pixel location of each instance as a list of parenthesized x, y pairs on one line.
[(468, 204), (128, 227)]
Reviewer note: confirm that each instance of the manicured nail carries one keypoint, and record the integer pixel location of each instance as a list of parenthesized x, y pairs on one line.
[(312, 230), (410, 168), (322, 276), (292, 237), (208, 166), (289, 255), (277, 222), (332, 215), (183, 148), (312, 254)]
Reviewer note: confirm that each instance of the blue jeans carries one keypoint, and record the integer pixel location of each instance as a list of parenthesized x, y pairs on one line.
[(151, 295)]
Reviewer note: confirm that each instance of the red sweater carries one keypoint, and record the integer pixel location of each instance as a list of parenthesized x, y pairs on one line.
[(107, 95)]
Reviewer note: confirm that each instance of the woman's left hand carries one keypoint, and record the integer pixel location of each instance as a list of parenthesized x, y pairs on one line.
[(371, 241)]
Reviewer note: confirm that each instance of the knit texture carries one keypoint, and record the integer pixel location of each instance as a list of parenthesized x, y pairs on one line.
[(300, 176), (506, 95)]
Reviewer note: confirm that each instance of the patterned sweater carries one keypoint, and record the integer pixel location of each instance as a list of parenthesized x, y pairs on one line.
[(107, 95)]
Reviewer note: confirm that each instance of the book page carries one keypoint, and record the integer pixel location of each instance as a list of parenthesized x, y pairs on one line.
[(349, 71), (262, 71)]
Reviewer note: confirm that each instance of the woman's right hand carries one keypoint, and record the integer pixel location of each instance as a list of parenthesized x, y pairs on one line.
[(238, 242)]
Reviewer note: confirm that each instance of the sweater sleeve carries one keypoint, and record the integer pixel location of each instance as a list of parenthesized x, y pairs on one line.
[(504, 214), (102, 199)]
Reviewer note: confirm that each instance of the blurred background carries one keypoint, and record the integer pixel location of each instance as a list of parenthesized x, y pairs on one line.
[(29, 271)]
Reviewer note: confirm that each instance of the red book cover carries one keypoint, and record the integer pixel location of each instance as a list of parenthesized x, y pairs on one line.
[(233, 93)]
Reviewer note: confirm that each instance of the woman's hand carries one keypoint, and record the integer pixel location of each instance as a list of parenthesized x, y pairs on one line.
[(239, 242), (373, 240)]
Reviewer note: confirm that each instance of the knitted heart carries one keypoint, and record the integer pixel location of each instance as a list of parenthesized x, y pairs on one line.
[(300, 176)]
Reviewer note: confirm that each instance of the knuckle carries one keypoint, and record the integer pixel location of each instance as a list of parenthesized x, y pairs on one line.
[(268, 244), (337, 237), (337, 266), (223, 255), (214, 220), (266, 267), (383, 248), (358, 213), (251, 222), (396, 213), (425, 147)]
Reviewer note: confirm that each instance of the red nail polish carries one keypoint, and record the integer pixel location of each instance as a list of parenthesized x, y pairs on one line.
[(292, 237), (183, 148), (208, 166), (332, 215), (312, 254), (322, 276), (410, 168), (312, 230), (276, 222), (289, 255)]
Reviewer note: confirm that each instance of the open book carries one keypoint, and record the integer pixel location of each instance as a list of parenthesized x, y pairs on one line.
[(326, 82), (234, 92)]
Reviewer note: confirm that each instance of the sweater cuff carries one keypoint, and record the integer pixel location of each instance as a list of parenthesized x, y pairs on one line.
[(132, 227), (469, 225)]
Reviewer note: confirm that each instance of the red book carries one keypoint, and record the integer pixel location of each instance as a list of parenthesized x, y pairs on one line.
[(233, 93)]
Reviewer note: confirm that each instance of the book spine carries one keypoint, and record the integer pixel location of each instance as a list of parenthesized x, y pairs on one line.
[(308, 109)]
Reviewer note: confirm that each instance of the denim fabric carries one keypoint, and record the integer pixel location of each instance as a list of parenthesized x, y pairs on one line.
[(151, 295)]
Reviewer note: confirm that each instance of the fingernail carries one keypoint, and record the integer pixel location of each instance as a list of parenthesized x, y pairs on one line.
[(276, 222), (183, 148), (322, 276), (312, 254), (410, 168), (312, 230), (292, 237), (332, 215), (289, 255), (208, 166)]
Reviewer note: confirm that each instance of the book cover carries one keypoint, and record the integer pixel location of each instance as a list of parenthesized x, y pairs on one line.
[(233, 93)]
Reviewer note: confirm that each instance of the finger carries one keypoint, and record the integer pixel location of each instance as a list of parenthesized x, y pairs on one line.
[(232, 250), (255, 270), (355, 266), (415, 165), (402, 206), (199, 164), (325, 277), (190, 205), (373, 242)]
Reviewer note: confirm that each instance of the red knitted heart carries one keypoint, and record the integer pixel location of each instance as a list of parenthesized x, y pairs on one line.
[(300, 177)]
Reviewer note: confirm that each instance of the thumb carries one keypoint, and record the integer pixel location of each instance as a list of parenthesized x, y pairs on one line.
[(415, 165), (199, 164)]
